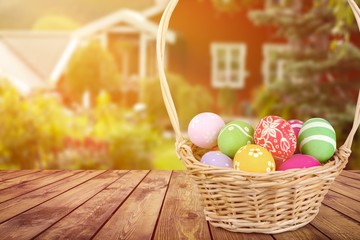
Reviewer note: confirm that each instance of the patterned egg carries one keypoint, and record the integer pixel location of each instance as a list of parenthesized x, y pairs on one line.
[(204, 128), (317, 138), (254, 158), (296, 126), (216, 159), (277, 136), (233, 136), (299, 161)]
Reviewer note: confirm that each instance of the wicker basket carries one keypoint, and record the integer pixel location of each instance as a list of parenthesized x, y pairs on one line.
[(247, 202)]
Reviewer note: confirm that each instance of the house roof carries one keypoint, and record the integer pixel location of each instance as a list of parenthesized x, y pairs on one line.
[(134, 19), (38, 59), (28, 58)]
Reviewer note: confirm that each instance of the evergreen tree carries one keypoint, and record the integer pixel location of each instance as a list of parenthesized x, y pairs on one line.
[(322, 66)]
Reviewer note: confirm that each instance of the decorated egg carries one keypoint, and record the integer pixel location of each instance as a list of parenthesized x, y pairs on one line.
[(254, 158), (277, 136), (217, 159), (299, 161), (317, 138), (233, 136), (204, 128), (296, 126)]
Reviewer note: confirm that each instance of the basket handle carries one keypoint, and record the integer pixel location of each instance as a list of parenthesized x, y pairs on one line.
[(160, 53), (355, 126), (169, 102)]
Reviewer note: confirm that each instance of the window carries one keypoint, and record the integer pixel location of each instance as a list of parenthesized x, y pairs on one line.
[(228, 65), (273, 63)]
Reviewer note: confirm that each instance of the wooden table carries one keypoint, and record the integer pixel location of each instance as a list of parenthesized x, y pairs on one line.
[(142, 205)]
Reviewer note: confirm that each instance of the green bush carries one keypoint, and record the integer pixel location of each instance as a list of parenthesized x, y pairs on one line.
[(39, 132), (92, 68), (189, 100)]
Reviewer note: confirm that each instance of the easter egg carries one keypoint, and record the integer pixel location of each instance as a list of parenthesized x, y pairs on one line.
[(296, 126), (299, 161), (254, 158), (216, 159), (204, 128), (277, 136), (317, 138), (233, 136)]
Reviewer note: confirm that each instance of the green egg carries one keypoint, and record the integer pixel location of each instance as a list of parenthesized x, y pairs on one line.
[(317, 138), (235, 135)]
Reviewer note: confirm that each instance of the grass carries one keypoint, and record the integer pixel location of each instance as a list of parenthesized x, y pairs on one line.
[(165, 157)]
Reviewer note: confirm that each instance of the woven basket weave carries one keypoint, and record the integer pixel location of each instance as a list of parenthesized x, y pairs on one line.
[(247, 202)]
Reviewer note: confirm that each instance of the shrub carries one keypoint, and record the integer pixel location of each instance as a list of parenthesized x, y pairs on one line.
[(189, 100)]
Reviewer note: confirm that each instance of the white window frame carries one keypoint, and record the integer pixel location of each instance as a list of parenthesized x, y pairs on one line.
[(280, 63), (241, 72)]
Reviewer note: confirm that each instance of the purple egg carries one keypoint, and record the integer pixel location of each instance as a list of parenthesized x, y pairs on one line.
[(217, 159), (299, 161)]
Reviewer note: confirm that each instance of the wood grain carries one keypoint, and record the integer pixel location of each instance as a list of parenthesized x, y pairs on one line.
[(26, 178), (182, 216), (136, 218), (94, 213), (346, 190), (345, 205), (27, 201), (350, 174), (3, 172), (348, 181), (29, 186), (307, 232), (34, 221), (16, 174), (220, 233), (335, 225)]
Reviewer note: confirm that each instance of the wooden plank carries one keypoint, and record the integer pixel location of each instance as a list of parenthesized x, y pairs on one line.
[(16, 174), (36, 220), (182, 216), (220, 233), (141, 210), (350, 174), (348, 181), (20, 204), (26, 178), (335, 225), (89, 217), (3, 172), (26, 187), (307, 232), (343, 204), (346, 190)]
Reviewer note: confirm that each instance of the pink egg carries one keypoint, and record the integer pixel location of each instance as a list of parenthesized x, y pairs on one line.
[(296, 126), (204, 128), (299, 161)]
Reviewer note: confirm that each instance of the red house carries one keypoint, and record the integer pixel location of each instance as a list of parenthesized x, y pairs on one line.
[(221, 49)]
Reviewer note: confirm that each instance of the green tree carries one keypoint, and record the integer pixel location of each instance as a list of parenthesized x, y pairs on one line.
[(189, 100), (92, 68), (321, 74)]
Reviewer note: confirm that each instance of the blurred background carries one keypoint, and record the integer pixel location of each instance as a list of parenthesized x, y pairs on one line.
[(79, 86)]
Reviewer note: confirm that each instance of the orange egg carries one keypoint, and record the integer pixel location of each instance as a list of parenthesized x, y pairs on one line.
[(254, 158)]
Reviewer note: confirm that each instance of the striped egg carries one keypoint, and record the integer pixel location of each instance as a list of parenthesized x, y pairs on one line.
[(296, 126), (317, 138), (235, 135)]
